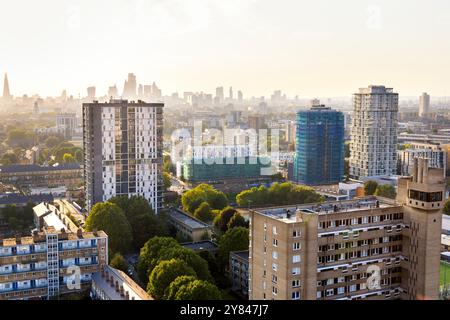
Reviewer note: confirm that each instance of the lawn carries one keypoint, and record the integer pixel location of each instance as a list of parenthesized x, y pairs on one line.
[(445, 273)]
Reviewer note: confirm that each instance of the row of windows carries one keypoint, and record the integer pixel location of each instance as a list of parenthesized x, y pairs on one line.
[(360, 220), (359, 254)]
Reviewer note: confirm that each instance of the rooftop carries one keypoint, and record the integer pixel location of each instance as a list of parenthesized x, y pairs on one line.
[(16, 168), (52, 220), (241, 254), (201, 245), (446, 224), (113, 281), (287, 213), (15, 198), (186, 219)]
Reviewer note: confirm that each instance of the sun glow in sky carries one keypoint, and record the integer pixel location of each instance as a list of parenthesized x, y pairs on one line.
[(309, 48)]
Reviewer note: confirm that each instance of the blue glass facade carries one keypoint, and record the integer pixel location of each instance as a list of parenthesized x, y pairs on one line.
[(319, 156)]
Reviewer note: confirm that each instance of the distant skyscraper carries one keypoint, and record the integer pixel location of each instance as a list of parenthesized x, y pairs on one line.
[(113, 92), (219, 95), (314, 102), (319, 156), (91, 93), (240, 96), (140, 91), (424, 105), (123, 151), (130, 87), (373, 150), (6, 92), (231, 93)]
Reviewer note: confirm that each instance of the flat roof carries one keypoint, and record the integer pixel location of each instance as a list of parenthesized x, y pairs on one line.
[(186, 219), (242, 254), (327, 208), (133, 289), (200, 245), (16, 168), (52, 220), (445, 240)]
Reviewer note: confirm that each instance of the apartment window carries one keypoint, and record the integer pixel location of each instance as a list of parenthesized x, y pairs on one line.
[(341, 279), (296, 233), (330, 292), (274, 267), (295, 283), (274, 290), (274, 278), (365, 220), (265, 226), (295, 295), (319, 294), (274, 230), (275, 255), (341, 290), (296, 246), (295, 271), (352, 288), (275, 242), (330, 281), (296, 258)]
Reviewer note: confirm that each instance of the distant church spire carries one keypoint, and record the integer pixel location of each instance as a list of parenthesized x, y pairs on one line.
[(6, 93)]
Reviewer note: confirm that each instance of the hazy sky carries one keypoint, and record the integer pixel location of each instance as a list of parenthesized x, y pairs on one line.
[(304, 47)]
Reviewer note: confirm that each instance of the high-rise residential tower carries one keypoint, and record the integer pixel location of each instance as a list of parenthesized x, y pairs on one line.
[(319, 156), (424, 104), (123, 150), (373, 150)]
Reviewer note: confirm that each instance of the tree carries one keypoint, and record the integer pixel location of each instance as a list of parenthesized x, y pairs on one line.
[(68, 158), (193, 260), (222, 219), (110, 218), (79, 155), (447, 207), (149, 255), (144, 222), (9, 158), (198, 290), (285, 193), (236, 221), (164, 273), (52, 141), (175, 285), (233, 240), (193, 198), (119, 263), (203, 212), (386, 190), (370, 187), (167, 180)]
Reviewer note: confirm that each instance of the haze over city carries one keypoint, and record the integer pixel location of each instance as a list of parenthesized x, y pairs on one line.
[(305, 48)]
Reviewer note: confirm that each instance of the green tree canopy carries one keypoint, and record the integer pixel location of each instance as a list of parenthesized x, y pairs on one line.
[(204, 212), (236, 221), (198, 290), (166, 180), (285, 193), (175, 285), (9, 158), (164, 273), (447, 207), (197, 263), (119, 263), (370, 187), (222, 219), (193, 198), (386, 190), (110, 218), (235, 239), (143, 220), (68, 158), (150, 253)]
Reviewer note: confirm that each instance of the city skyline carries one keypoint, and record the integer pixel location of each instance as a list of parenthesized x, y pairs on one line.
[(259, 48)]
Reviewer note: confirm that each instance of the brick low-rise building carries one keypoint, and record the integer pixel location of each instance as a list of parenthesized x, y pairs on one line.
[(368, 248)]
